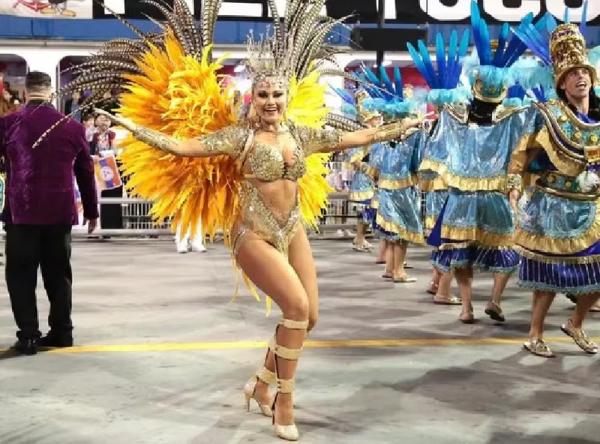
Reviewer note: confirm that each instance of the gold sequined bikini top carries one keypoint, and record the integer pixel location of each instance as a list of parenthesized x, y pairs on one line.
[(266, 163)]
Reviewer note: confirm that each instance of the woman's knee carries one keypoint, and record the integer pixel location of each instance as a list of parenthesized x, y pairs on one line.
[(297, 308)]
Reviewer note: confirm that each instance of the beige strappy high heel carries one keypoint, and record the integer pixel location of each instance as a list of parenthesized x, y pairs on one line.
[(288, 432), (266, 376)]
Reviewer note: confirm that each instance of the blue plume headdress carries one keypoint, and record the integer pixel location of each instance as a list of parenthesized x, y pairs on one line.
[(387, 95), (444, 78), (541, 81), (348, 107), (492, 77)]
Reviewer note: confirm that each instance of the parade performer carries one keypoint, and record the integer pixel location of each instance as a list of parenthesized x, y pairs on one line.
[(398, 217), (435, 195), (470, 149), (362, 188), (559, 222), (258, 179)]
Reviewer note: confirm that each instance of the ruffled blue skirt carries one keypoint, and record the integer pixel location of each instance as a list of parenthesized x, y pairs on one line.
[(399, 215), (361, 188), (559, 245)]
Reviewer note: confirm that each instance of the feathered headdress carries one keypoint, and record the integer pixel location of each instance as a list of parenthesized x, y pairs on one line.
[(387, 96), (444, 77), (492, 77), (558, 48), (296, 45)]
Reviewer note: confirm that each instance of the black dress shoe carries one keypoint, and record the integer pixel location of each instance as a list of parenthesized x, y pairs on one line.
[(51, 340), (26, 346)]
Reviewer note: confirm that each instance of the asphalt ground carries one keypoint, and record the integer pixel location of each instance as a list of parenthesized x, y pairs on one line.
[(162, 353)]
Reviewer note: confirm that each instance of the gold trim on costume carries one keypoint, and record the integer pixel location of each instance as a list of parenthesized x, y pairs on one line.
[(558, 260), (433, 165), (360, 196), (566, 164), (396, 184), (497, 183), (460, 113), (428, 185), (478, 235), (536, 242), (429, 222), (402, 232)]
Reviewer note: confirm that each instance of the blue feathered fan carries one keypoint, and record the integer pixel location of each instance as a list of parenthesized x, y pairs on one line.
[(444, 77)]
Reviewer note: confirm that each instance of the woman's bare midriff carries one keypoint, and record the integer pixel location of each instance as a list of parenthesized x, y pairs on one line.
[(280, 196)]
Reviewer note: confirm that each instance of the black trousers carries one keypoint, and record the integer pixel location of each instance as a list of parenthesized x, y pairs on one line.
[(110, 214), (49, 247)]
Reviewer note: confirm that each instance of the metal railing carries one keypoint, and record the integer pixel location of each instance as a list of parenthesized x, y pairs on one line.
[(340, 214)]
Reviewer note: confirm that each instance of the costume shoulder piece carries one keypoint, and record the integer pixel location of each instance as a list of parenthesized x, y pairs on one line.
[(572, 144), (504, 112), (460, 113)]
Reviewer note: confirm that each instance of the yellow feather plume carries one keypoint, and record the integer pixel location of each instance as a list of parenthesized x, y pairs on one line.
[(182, 97), (307, 108)]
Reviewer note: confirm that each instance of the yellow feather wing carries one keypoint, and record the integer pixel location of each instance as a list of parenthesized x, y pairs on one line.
[(307, 108), (183, 97)]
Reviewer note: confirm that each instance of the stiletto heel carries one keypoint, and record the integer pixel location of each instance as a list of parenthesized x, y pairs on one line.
[(266, 376), (288, 432)]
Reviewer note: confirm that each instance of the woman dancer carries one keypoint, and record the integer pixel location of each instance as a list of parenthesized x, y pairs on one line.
[(266, 234)]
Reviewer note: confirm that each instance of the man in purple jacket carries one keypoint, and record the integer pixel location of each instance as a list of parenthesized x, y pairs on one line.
[(40, 210)]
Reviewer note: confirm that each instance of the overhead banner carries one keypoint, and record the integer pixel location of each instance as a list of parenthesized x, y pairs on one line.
[(496, 11), (74, 9), (398, 11), (365, 11)]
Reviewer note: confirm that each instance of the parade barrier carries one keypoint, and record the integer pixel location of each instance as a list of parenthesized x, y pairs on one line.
[(340, 214)]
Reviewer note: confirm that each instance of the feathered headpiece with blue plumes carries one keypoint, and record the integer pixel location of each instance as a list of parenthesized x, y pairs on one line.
[(387, 95), (443, 79), (535, 78), (492, 77), (554, 57)]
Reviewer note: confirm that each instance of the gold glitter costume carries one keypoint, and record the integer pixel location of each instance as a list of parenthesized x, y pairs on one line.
[(261, 162)]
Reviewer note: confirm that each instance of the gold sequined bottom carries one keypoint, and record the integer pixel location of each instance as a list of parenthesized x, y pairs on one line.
[(258, 220)]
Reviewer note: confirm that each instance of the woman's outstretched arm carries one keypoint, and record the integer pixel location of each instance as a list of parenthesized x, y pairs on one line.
[(229, 140)]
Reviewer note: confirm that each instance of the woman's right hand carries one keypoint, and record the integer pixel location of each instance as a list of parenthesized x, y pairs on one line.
[(127, 124)]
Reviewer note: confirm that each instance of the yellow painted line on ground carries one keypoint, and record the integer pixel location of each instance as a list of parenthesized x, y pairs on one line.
[(338, 343)]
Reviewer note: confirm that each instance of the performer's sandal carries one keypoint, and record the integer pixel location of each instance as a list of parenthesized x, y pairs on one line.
[(494, 311), (580, 337), (538, 347), (404, 280), (450, 300), (266, 376), (288, 432)]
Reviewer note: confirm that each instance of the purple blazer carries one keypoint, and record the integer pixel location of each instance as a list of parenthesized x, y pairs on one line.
[(39, 185)]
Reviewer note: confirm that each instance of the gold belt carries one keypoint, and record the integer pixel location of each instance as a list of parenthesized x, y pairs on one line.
[(562, 185)]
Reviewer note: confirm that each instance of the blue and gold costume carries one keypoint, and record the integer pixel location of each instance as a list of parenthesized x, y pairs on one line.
[(398, 214), (362, 188), (559, 224), (559, 220), (476, 225)]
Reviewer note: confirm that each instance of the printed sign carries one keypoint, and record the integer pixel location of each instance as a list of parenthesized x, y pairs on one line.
[(48, 8)]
